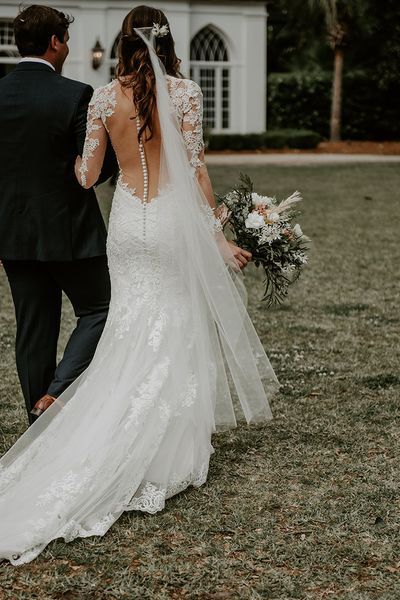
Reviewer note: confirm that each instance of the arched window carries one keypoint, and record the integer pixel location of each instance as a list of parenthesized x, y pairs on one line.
[(9, 55), (208, 45), (209, 66)]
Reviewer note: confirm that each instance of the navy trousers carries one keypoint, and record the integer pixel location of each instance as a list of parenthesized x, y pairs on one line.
[(36, 289)]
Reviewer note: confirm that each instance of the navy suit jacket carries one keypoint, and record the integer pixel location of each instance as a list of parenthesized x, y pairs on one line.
[(44, 213)]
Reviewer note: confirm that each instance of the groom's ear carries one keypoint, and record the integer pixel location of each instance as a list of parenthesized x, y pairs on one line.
[(54, 43)]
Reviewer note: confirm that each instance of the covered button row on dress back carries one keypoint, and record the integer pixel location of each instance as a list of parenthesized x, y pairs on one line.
[(145, 179), (144, 165)]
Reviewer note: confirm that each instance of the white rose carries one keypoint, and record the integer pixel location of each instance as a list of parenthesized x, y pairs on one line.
[(254, 221), (257, 199), (269, 201), (273, 216), (297, 230), (261, 200)]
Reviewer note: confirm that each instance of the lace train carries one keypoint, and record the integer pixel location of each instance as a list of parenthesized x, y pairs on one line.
[(150, 499)]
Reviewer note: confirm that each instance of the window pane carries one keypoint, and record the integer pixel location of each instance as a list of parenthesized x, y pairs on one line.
[(225, 99), (208, 45), (207, 84), (6, 33)]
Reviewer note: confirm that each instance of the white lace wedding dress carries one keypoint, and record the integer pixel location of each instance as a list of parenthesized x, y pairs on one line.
[(135, 428)]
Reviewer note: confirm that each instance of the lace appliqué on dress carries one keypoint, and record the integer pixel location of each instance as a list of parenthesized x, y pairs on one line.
[(147, 394), (152, 499), (187, 99), (103, 102), (101, 106), (90, 146), (71, 482), (212, 221)]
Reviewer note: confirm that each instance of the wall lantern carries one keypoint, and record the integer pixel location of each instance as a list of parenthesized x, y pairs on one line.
[(97, 55)]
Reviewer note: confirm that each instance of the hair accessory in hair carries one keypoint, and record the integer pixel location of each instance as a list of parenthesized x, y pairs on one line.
[(22, 20), (159, 31)]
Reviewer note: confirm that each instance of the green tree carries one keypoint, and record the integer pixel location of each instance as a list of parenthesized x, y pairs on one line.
[(341, 18), (295, 42)]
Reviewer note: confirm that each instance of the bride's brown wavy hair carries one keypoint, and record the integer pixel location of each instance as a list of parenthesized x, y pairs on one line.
[(134, 69)]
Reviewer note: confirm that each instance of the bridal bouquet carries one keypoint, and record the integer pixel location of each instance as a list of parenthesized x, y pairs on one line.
[(264, 227)]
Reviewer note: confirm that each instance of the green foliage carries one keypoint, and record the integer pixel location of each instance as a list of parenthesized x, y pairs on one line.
[(342, 17), (296, 37), (371, 109), (299, 100), (302, 139), (297, 42), (279, 138), (234, 141), (383, 38)]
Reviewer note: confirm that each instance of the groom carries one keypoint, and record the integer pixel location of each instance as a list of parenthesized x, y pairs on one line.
[(52, 235)]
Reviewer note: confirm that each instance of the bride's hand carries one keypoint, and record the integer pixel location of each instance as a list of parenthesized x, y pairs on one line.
[(243, 257), (78, 163)]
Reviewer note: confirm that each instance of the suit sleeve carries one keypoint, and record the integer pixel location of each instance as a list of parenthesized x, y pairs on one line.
[(80, 119)]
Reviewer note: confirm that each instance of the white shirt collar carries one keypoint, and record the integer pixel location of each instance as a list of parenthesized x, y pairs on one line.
[(39, 60)]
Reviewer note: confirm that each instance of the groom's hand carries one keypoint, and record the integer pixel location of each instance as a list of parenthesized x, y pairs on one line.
[(243, 257)]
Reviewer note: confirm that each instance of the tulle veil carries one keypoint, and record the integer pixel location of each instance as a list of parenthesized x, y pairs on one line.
[(208, 265)]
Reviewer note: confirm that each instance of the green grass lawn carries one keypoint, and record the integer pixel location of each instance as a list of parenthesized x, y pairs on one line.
[(306, 506)]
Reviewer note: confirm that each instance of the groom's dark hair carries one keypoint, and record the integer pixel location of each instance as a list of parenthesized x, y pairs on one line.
[(34, 27)]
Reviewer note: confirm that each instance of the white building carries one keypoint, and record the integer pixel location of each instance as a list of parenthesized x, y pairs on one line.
[(222, 45)]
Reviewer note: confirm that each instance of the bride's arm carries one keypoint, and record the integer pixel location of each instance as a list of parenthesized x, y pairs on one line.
[(88, 167), (192, 130)]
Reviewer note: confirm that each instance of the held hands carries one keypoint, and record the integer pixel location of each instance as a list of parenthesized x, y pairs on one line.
[(242, 257)]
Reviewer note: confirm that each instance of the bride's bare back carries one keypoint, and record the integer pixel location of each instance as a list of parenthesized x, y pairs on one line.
[(123, 130), (112, 114)]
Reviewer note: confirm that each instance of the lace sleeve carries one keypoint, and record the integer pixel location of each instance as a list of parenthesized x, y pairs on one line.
[(88, 168), (192, 124)]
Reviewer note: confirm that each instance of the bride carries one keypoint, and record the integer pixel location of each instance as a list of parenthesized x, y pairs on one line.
[(135, 428)]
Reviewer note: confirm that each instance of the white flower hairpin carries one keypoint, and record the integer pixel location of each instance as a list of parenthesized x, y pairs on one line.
[(159, 31)]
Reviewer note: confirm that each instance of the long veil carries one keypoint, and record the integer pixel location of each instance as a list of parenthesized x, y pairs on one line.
[(215, 287)]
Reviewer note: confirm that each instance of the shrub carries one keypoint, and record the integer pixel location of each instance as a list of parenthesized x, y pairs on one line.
[(302, 100), (234, 141), (299, 101), (270, 139), (292, 138)]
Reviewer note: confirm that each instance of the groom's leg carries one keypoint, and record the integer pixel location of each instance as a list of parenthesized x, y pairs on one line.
[(86, 282), (37, 302)]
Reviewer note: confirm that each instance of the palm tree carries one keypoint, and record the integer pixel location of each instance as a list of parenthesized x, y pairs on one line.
[(339, 18)]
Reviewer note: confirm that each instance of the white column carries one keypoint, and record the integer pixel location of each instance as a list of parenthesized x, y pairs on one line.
[(254, 72)]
